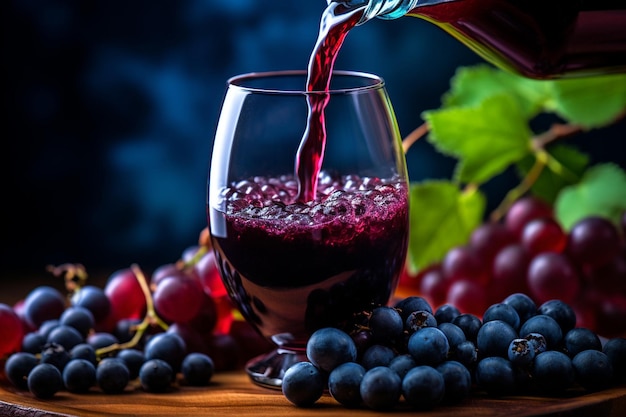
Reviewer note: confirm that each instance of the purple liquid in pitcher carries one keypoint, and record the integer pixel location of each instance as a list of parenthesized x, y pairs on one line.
[(535, 38), (294, 268)]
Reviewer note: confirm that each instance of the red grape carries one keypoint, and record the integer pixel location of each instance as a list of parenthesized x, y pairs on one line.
[(487, 240), (543, 235), (508, 274), (12, 331), (224, 351), (166, 270), (552, 276), (468, 296), (462, 263), (194, 340), (178, 298), (593, 241), (206, 318), (611, 318), (224, 306), (124, 292), (434, 286), (206, 269), (609, 277), (523, 211)]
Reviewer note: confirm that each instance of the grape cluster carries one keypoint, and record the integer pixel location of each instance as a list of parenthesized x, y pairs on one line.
[(409, 356), (176, 328), (530, 252)]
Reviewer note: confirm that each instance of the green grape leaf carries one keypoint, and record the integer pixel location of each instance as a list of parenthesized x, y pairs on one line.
[(471, 85), (601, 192), (441, 217), (549, 183), (590, 101), (486, 138)]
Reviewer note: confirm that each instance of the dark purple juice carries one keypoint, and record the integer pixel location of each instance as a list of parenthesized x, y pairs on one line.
[(295, 267), (538, 38), (335, 24)]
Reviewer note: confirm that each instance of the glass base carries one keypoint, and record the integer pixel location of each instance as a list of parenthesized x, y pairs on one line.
[(268, 370)]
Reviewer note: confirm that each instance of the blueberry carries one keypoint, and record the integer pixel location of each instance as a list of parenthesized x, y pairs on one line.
[(454, 334), (560, 311), (470, 324), (197, 369), (377, 355), (495, 375), (55, 354), (466, 353), (579, 339), (494, 338), (47, 326), (66, 336), (418, 319), (303, 384), (457, 379), (79, 375), (93, 299), (423, 387), (413, 303), (18, 366), (615, 350), (33, 342), (428, 346), (523, 304), (328, 348), (344, 383), (538, 342), (546, 326), (445, 313), (553, 371), (125, 329), (43, 303), (100, 340), (385, 323), (169, 347), (521, 352), (381, 388), (156, 375), (362, 340), (593, 370), (133, 359), (79, 318), (504, 312), (112, 375), (84, 351), (402, 364), (45, 380)]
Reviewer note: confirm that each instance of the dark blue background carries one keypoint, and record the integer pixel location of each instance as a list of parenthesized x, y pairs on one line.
[(110, 107)]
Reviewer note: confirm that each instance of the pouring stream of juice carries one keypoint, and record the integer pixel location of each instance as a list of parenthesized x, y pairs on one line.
[(535, 38)]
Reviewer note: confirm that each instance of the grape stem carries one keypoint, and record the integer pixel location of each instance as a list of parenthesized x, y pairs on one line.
[(75, 275), (542, 159), (515, 193), (150, 319), (556, 131), (414, 136)]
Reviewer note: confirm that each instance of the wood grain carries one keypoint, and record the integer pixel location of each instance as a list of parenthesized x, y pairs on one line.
[(232, 394)]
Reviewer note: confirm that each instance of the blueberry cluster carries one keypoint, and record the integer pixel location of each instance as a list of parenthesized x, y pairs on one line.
[(66, 353), (78, 370), (408, 355)]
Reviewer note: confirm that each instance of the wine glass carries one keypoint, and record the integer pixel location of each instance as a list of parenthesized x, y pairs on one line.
[(297, 257)]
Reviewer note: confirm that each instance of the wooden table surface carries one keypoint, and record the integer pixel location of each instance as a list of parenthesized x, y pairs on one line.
[(233, 394)]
